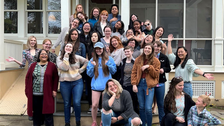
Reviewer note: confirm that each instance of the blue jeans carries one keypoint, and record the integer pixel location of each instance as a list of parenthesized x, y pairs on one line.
[(188, 89), (145, 102), (72, 89), (159, 92), (106, 119)]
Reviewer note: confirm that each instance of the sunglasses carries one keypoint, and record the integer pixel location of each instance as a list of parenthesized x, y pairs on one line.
[(147, 24)]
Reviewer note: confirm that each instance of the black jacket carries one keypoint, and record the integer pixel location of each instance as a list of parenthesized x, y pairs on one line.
[(98, 28), (188, 102), (165, 64), (121, 70)]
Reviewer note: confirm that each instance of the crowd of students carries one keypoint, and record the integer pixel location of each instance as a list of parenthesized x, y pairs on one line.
[(127, 69)]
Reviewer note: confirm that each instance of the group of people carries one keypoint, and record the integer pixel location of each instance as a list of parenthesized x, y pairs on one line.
[(126, 68)]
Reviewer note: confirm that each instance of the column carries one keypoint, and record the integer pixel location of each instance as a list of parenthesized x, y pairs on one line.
[(2, 50), (125, 12), (21, 16), (87, 8), (65, 13), (218, 35)]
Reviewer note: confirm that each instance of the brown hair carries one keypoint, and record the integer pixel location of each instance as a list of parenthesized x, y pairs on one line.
[(119, 42), (102, 12), (104, 66), (169, 101), (206, 100), (91, 14), (159, 44), (128, 47), (150, 56), (28, 42), (71, 56)]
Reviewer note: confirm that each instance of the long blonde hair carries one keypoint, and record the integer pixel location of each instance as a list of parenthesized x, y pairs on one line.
[(28, 42)]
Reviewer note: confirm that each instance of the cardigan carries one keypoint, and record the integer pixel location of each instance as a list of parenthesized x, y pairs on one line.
[(50, 84), (188, 102), (152, 77), (97, 28), (125, 102)]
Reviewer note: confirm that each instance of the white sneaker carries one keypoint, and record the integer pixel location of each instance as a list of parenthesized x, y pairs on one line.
[(90, 110)]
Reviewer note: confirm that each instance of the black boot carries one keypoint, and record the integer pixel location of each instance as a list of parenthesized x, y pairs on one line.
[(78, 123), (67, 124)]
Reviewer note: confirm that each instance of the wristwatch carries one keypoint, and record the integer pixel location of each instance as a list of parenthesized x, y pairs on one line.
[(117, 119)]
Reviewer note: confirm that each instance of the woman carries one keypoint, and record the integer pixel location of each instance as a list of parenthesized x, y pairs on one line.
[(99, 25), (41, 86), (133, 17), (106, 40), (78, 8), (100, 68), (144, 77), (71, 83), (83, 18), (94, 16), (74, 38), (160, 87), (118, 29), (148, 39), (134, 44), (139, 35), (158, 33), (28, 54), (148, 28), (125, 37), (85, 36), (64, 32), (117, 106), (114, 16), (176, 104), (47, 46), (184, 66)]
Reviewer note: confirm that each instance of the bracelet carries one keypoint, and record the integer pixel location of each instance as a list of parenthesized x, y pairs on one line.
[(203, 74)]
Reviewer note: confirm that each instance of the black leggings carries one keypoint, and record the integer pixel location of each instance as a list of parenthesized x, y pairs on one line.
[(169, 120)]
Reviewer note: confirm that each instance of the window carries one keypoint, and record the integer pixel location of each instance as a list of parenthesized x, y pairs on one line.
[(190, 22), (43, 17), (10, 16)]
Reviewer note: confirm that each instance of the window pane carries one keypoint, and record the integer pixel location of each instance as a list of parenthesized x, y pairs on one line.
[(201, 51), (170, 16), (199, 19), (34, 4), (54, 5), (35, 22), (54, 22), (144, 9), (10, 4), (10, 22)]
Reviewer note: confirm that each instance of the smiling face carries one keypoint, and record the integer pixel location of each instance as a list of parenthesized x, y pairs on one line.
[(43, 56), (113, 87), (33, 42), (157, 48), (200, 103), (137, 25), (114, 10), (74, 35), (128, 53), (103, 17), (159, 32), (86, 28), (69, 48), (75, 23), (47, 45), (114, 43), (95, 13), (99, 51), (107, 31), (147, 50), (132, 43), (147, 25), (94, 38), (80, 16), (130, 32), (149, 39), (180, 86), (181, 53), (118, 25), (133, 18)]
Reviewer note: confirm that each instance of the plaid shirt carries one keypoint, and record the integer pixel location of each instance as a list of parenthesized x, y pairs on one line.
[(201, 119)]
